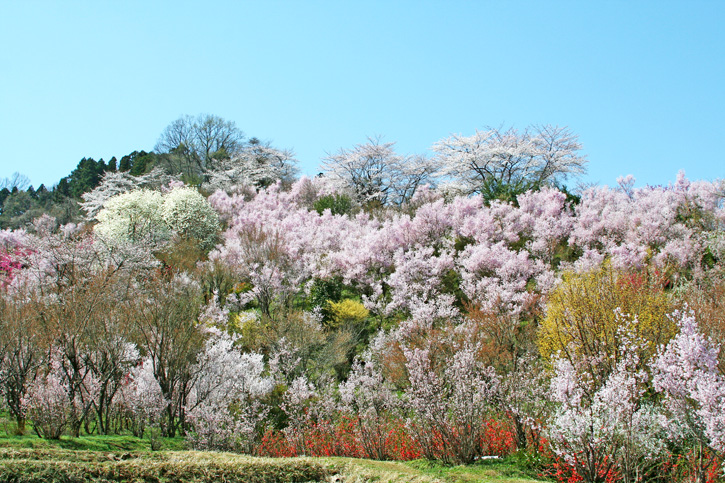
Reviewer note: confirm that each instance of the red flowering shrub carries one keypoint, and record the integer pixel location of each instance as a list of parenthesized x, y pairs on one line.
[(499, 439), (342, 438), (563, 472), (275, 445)]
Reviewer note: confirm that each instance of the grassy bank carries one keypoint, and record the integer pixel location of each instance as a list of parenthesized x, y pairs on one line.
[(69, 466), (105, 459)]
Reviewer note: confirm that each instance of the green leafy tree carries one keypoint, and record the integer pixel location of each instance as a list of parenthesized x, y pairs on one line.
[(85, 176)]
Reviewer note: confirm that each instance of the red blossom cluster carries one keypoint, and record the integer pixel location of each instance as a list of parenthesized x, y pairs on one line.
[(343, 439)]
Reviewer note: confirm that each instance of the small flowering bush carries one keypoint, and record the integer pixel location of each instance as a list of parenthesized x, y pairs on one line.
[(686, 373), (449, 410), (46, 403), (372, 399)]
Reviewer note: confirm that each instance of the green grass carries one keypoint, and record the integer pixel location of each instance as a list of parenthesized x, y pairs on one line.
[(507, 470), (90, 443)]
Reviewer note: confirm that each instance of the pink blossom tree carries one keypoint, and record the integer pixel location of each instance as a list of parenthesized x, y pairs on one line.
[(686, 373), (449, 407), (612, 426), (140, 398), (373, 401), (47, 402), (224, 403)]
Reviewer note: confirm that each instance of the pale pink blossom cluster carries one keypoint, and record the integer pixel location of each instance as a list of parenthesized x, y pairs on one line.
[(686, 372), (224, 405), (664, 225), (502, 256)]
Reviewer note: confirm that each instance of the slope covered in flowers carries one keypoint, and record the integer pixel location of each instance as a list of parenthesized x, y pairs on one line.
[(447, 328)]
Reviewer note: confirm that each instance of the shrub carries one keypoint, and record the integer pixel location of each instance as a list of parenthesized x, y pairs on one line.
[(582, 318), (347, 312), (337, 203)]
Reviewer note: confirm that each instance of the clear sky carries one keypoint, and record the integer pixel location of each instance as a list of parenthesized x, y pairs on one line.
[(642, 82)]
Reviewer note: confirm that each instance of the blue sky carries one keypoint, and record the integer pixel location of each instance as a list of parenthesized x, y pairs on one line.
[(642, 83)]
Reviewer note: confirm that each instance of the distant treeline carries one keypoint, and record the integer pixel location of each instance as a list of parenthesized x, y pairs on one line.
[(20, 204)]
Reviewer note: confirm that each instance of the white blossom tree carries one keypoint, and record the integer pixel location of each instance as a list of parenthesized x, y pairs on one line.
[(375, 172), (686, 373), (256, 164), (154, 218), (224, 405), (493, 158), (135, 217), (610, 426)]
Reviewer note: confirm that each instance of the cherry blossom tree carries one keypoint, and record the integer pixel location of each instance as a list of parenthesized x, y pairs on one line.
[(223, 405), (611, 426), (189, 216), (134, 216), (372, 399), (140, 398), (13, 247), (297, 399), (47, 402), (375, 172), (493, 158), (686, 373)]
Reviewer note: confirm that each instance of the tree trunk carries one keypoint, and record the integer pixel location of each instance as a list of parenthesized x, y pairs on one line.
[(20, 422), (521, 441)]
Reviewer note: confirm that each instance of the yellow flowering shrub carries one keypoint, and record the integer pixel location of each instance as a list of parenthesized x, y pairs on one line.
[(582, 320), (347, 312)]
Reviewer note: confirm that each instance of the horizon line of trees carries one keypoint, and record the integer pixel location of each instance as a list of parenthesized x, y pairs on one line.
[(206, 150)]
